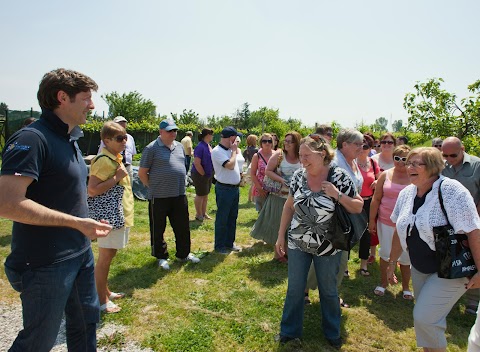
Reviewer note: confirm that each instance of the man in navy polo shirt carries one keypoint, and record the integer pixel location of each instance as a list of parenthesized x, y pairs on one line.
[(43, 190), (227, 174), (162, 170)]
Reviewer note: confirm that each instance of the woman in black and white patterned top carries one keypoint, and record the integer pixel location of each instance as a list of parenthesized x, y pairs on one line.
[(307, 213)]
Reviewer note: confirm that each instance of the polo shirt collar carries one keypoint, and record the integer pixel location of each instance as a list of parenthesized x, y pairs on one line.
[(118, 158), (222, 146), (60, 127)]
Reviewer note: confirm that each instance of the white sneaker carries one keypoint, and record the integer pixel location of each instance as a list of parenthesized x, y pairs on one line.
[(163, 263), (191, 258)]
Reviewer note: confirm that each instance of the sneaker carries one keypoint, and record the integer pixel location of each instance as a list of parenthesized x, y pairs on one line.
[(190, 258), (235, 248), (163, 263)]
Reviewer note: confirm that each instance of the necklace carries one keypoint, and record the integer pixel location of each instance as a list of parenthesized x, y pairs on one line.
[(363, 166)]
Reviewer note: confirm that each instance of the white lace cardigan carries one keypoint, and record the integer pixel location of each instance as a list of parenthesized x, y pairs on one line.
[(459, 205)]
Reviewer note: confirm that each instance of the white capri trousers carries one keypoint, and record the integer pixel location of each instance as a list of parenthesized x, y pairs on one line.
[(385, 236), (434, 299), (474, 337), (116, 239)]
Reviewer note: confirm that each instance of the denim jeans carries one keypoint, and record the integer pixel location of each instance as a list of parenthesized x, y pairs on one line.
[(226, 219), (326, 269), (49, 291)]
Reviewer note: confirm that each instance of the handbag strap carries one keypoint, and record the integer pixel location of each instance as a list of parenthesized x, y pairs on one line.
[(261, 156), (440, 198)]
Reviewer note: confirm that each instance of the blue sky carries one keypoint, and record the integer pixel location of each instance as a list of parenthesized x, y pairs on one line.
[(316, 61)]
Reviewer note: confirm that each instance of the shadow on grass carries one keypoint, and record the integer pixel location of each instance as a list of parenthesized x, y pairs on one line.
[(208, 262), (257, 248), (268, 274), (5, 240)]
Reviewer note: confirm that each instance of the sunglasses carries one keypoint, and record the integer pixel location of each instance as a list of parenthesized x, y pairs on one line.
[(386, 142), (437, 145), (450, 155), (171, 131), (120, 138), (366, 147), (398, 158), (269, 141), (376, 145)]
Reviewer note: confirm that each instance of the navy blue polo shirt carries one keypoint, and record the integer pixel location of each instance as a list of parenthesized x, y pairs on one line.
[(49, 155)]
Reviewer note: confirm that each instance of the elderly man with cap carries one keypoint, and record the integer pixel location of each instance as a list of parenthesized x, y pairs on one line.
[(188, 149), (130, 149), (162, 170), (227, 175)]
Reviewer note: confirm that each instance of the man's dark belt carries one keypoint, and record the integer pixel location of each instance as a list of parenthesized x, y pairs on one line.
[(227, 185)]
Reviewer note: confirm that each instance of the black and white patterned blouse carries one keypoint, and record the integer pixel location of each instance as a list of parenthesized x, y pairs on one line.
[(313, 212)]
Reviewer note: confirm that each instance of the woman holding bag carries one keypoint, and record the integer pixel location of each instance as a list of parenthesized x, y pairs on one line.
[(106, 171), (281, 167), (416, 213), (258, 166)]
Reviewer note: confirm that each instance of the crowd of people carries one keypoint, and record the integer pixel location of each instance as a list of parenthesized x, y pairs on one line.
[(394, 186)]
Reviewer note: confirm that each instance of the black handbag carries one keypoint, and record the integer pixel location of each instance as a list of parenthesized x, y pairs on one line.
[(108, 206), (345, 229), (454, 258)]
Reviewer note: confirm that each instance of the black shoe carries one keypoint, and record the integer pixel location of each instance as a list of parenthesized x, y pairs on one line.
[(285, 339), (336, 343)]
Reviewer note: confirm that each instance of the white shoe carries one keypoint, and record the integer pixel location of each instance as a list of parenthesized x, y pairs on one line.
[(191, 258), (163, 263)]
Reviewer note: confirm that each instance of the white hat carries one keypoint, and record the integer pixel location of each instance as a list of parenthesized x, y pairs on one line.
[(119, 119)]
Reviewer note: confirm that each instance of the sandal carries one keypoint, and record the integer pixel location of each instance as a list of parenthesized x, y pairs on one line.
[(408, 295), (110, 308), (206, 216), (114, 295), (379, 291), (371, 259), (307, 299), (199, 218), (364, 272), (343, 304)]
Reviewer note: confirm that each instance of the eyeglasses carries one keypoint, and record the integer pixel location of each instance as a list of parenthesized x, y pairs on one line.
[(329, 134), (269, 141), (387, 142), (414, 164), (286, 141), (402, 159), (437, 145), (171, 131), (120, 138), (366, 147), (450, 155)]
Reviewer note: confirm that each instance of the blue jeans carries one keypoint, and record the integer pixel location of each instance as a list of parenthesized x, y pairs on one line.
[(326, 269), (49, 291), (226, 219)]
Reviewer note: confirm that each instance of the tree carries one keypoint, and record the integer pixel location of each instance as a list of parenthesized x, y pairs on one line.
[(436, 113), (187, 117), (380, 125), (397, 125), (3, 108), (242, 118), (131, 105)]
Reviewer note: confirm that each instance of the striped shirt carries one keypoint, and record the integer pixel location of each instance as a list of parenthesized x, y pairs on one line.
[(166, 169)]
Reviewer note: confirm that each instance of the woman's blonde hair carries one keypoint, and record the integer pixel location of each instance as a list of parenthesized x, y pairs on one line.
[(318, 146), (432, 157), (111, 129), (403, 148), (267, 136), (252, 140)]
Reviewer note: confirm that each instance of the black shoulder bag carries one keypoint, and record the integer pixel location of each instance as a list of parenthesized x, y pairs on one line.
[(454, 258)]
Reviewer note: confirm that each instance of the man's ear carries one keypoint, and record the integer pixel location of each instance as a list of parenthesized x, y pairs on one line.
[(62, 97)]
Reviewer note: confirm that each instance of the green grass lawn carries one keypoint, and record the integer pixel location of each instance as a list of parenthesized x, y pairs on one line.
[(235, 302)]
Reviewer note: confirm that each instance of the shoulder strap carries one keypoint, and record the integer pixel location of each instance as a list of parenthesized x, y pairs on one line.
[(261, 156), (280, 158), (99, 156), (440, 198), (374, 168)]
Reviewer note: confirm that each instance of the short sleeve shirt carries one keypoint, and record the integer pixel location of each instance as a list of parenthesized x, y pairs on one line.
[(166, 169), (187, 143), (202, 151), (313, 213), (220, 156), (468, 174)]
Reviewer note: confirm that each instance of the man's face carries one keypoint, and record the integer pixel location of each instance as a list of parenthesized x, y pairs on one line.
[(76, 109), (453, 153), (328, 136), (123, 124), (168, 136)]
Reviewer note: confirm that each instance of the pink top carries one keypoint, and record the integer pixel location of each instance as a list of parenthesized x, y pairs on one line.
[(369, 178), (262, 166), (389, 198)]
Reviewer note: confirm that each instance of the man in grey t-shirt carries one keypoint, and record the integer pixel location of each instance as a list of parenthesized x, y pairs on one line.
[(162, 170)]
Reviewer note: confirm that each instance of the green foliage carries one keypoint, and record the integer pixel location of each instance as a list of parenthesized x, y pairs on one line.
[(3, 108), (397, 125), (131, 105), (435, 112), (189, 117), (380, 125)]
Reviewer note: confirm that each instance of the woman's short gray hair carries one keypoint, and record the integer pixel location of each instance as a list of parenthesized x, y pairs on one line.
[(348, 135)]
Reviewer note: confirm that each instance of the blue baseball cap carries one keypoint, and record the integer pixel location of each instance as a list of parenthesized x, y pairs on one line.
[(229, 131), (168, 125)]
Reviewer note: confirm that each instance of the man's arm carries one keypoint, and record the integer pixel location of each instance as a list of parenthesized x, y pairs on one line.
[(15, 206), (143, 175)]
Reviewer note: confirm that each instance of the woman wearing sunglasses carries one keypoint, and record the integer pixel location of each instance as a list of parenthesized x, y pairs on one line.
[(106, 171), (389, 185), (385, 157), (257, 171)]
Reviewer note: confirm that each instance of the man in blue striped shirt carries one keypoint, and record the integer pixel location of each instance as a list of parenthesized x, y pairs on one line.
[(162, 170)]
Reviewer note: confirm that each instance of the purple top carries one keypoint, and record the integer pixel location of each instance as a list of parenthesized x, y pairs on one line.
[(202, 151)]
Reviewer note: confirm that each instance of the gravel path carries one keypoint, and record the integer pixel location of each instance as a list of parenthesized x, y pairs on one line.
[(11, 320)]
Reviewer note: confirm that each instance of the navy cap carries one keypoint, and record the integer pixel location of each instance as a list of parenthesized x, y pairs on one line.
[(229, 131), (168, 125)]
